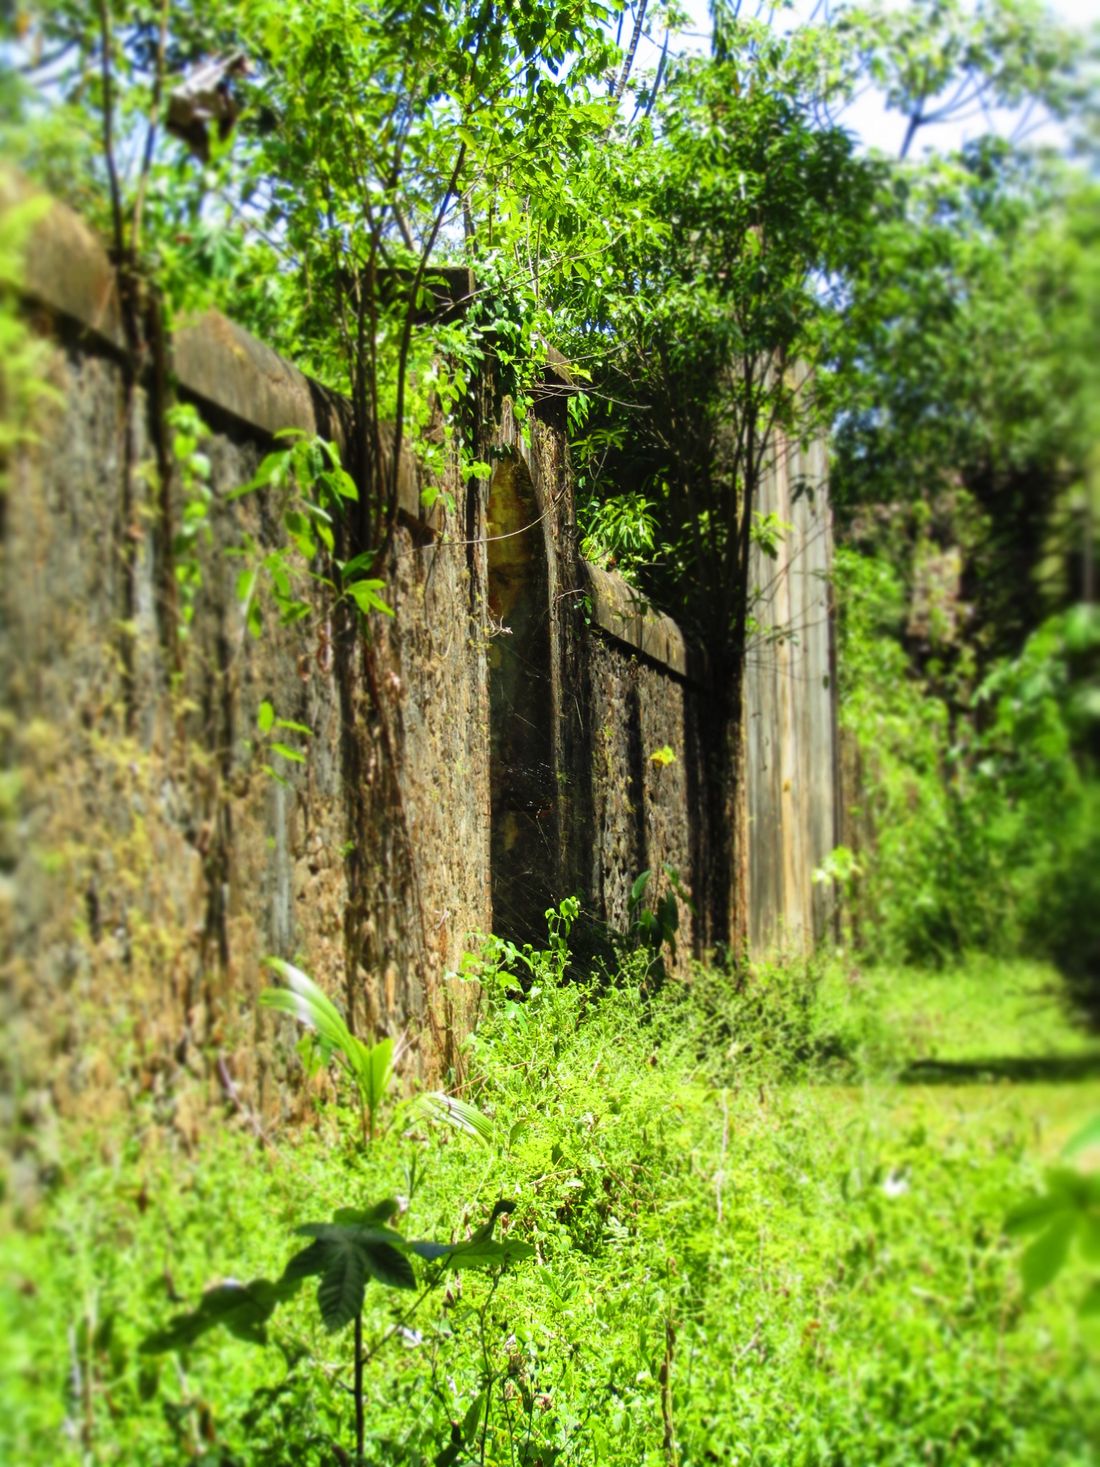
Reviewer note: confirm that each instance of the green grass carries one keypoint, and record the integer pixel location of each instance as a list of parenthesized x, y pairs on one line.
[(758, 1241)]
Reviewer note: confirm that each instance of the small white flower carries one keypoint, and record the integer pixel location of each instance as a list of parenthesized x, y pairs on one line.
[(896, 1184)]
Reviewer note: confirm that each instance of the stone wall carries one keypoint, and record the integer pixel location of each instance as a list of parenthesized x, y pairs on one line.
[(156, 847), (519, 731)]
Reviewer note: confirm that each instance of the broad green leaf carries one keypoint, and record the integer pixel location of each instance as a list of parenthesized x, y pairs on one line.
[(637, 891), (343, 1284), (285, 752), (308, 1262), (265, 719), (346, 1255), (1043, 1258), (388, 1266)]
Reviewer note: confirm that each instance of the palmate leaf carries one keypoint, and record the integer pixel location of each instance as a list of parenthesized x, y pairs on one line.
[(346, 1254), (343, 1284), (308, 1262), (242, 1309), (386, 1265)]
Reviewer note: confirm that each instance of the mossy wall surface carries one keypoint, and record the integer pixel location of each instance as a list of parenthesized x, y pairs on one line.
[(157, 847)]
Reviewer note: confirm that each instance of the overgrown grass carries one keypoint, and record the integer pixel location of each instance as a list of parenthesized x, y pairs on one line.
[(756, 1244)]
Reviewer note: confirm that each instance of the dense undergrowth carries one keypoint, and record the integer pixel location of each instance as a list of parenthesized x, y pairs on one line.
[(978, 794), (757, 1241)]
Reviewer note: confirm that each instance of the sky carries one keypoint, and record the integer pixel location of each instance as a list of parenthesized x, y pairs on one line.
[(868, 118)]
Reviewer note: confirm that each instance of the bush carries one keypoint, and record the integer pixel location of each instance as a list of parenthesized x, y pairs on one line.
[(979, 813)]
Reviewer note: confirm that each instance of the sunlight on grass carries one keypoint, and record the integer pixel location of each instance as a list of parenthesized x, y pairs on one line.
[(783, 1260)]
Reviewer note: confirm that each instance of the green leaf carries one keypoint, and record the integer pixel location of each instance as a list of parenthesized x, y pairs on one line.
[(364, 561), (1088, 1236), (304, 1001), (343, 1284), (342, 483), (346, 1255), (637, 891), (489, 1254), (242, 1309), (502, 1206), (1043, 1258), (265, 719), (272, 470), (458, 1113), (1034, 1214), (246, 580), (472, 1419), (430, 1252), (308, 1262), (1088, 1135), (285, 752), (373, 1069), (379, 1212), (388, 1266), (1090, 1303), (366, 597)]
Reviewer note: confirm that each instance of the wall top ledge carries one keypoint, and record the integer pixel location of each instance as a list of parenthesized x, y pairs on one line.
[(621, 612), (63, 267)]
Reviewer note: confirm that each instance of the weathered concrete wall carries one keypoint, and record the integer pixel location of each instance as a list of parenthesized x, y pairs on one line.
[(790, 773)]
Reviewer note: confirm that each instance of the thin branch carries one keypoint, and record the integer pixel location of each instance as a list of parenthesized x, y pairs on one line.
[(151, 130), (628, 63), (108, 130), (659, 77)]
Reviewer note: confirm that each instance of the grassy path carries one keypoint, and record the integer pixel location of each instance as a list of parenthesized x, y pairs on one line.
[(768, 1229)]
